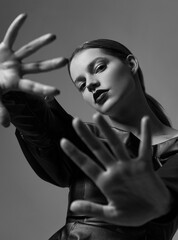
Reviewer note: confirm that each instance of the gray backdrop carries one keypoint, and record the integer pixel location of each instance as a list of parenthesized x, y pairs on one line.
[(31, 209)]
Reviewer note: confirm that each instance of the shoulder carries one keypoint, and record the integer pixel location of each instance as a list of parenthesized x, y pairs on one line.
[(166, 149)]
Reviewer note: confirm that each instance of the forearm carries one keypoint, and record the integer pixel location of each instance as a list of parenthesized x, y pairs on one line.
[(40, 125), (31, 115)]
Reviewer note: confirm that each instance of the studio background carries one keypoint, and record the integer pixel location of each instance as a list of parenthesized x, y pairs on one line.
[(30, 208)]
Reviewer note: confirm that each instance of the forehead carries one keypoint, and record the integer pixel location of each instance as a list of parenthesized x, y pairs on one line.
[(82, 59)]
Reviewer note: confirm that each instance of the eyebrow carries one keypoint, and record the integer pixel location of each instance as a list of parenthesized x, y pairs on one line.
[(89, 68)]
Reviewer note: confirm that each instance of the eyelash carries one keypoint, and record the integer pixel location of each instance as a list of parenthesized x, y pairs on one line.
[(100, 67), (81, 86)]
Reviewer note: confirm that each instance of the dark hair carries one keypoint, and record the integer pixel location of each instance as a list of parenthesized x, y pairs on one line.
[(118, 50)]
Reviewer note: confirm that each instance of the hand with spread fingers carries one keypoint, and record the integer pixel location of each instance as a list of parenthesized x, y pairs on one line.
[(12, 68), (134, 192)]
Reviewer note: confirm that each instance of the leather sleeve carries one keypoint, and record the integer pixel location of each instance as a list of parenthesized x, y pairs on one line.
[(40, 124), (169, 174)]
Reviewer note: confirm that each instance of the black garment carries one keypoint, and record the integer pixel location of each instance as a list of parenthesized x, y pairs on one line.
[(40, 126)]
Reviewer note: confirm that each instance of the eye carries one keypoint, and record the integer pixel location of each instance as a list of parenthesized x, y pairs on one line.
[(81, 86), (100, 67)]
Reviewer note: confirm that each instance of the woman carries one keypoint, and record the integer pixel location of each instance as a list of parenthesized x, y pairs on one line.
[(135, 202)]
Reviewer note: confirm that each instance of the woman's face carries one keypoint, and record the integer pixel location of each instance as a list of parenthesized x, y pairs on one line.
[(104, 81)]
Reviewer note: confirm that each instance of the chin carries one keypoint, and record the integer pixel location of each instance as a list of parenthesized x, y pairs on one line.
[(109, 108)]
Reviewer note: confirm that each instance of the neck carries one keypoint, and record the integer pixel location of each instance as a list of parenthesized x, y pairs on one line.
[(131, 120)]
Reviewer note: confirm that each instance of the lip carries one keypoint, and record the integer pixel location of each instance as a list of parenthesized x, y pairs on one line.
[(100, 95)]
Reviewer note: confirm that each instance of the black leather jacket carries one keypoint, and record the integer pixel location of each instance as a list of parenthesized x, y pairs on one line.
[(41, 123)]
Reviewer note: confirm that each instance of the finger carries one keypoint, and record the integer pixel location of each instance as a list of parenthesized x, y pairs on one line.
[(43, 66), (86, 164), (29, 86), (34, 45), (13, 29), (4, 115), (116, 144), (87, 208), (94, 144), (145, 149), (103, 212)]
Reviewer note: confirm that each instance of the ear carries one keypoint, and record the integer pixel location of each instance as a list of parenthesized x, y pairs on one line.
[(132, 63)]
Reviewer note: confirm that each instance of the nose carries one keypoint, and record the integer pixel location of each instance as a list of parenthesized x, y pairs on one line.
[(92, 85)]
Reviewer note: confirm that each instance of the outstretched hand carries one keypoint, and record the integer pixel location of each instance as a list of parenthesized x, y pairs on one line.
[(134, 192), (12, 68)]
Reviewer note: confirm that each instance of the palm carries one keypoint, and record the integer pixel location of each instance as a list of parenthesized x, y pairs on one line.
[(9, 69), (12, 67), (134, 192), (129, 201)]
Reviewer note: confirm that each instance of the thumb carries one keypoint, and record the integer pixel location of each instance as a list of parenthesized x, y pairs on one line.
[(87, 208), (4, 115)]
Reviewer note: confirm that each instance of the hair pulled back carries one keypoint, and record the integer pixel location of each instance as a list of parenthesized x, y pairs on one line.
[(118, 50)]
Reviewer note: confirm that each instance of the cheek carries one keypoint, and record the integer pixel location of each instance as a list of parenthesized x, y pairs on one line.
[(120, 76), (121, 72), (116, 74)]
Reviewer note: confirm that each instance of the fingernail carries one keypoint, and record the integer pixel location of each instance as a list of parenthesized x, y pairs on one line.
[(76, 120), (57, 92), (23, 15), (63, 61), (96, 115), (50, 36), (53, 37)]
